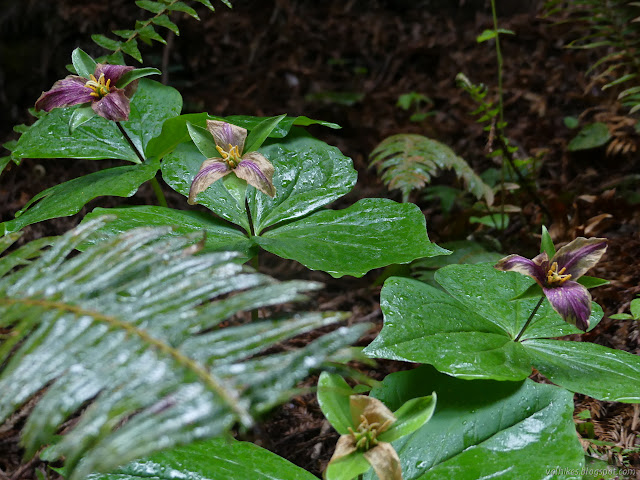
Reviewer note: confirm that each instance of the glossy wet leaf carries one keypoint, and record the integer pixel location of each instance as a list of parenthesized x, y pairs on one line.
[(174, 132), (49, 137), (260, 132), (490, 293), (98, 138), (69, 197), (333, 398), (588, 368), (83, 63), (179, 169), (468, 330), (370, 234), (152, 104), (219, 234), (410, 416), (283, 127), (309, 174), (484, 428), (347, 467), (203, 140), (217, 459), (425, 325), (462, 251)]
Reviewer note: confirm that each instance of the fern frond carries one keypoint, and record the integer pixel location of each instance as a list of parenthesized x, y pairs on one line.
[(406, 162), (131, 328)]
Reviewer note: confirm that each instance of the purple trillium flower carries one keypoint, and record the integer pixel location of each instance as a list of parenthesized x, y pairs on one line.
[(99, 91), (558, 276), (251, 167)]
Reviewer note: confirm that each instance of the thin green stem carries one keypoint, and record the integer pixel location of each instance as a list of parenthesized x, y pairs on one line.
[(500, 125), (130, 142), (529, 319), (155, 185), (499, 57), (157, 189), (252, 231)]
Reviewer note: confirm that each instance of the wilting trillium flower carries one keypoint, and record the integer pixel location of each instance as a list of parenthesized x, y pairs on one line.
[(99, 90), (252, 167), (558, 276), (370, 418)]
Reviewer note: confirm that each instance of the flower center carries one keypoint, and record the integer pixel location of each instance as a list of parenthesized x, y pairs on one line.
[(366, 434), (231, 157), (100, 87), (555, 277)]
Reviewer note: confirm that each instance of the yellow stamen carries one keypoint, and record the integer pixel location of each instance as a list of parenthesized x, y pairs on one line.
[(100, 86), (557, 277), (231, 157)]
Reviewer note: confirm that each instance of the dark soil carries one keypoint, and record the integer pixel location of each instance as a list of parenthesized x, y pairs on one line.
[(270, 57)]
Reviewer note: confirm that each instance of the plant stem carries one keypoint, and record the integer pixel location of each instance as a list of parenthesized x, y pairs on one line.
[(157, 189), (529, 319), (252, 231), (155, 185), (500, 125), (131, 144)]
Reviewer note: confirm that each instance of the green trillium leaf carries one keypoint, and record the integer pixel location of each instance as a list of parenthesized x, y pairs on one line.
[(69, 197), (49, 137), (370, 234), (220, 236), (83, 64), (80, 116), (333, 397), (412, 415), (546, 245), (594, 370), (260, 132), (203, 140), (485, 428)]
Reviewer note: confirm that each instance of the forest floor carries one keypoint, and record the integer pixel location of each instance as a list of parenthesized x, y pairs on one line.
[(348, 62)]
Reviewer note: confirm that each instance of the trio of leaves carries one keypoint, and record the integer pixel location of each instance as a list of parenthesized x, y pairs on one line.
[(143, 30), (132, 325), (309, 175), (467, 328)]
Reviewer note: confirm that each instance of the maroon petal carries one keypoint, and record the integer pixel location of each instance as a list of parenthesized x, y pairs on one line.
[(114, 106), (532, 268), (131, 88), (111, 72), (64, 93), (225, 134), (211, 170), (256, 170), (580, 255), (572, 301)]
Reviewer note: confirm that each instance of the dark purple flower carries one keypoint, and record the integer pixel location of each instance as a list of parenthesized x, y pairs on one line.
[(251, 167), (99, 90), (558, 276)]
